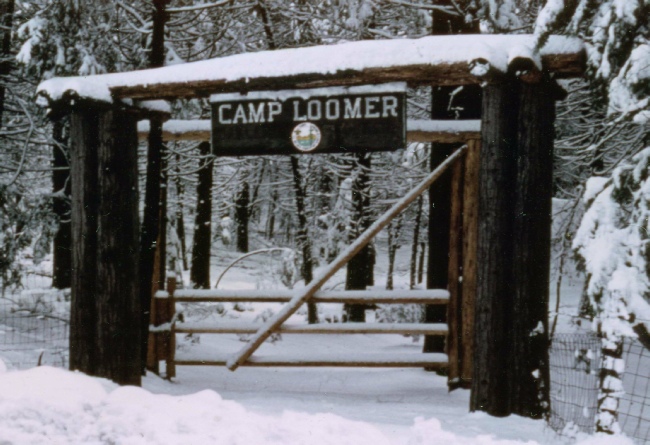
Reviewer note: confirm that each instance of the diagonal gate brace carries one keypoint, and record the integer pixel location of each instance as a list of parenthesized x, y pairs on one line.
[(303, 295)]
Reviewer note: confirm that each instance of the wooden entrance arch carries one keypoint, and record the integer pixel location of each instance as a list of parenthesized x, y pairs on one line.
[(513, 192)]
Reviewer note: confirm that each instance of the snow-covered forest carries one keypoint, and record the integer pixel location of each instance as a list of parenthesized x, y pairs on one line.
[(292, 215)]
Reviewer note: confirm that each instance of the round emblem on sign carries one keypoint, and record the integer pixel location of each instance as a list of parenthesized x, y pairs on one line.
[(306, 136)]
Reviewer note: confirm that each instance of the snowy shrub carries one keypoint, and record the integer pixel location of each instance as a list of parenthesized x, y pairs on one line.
[(613, 246), (262, 317), (401, 313)]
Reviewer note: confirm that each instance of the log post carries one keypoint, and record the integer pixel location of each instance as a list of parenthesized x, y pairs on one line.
[(455, 284), (84, 143), (149, 234), (470, 234), (439, 239), (511, 374), (117, 298), (532, 249), (493, 350)]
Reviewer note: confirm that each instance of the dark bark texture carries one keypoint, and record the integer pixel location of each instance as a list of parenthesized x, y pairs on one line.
[(6, 58), (514, 250), (84, 143), (360, 268), (153, 217), (118, 305), (490, 385), (105, 322), (532, 251), (200, 270), (62, 242), (304, 241), (242, 201)]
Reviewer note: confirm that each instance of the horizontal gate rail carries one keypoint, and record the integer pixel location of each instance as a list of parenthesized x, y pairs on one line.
[(168, 326), (431, 296), (234, 327), (379, 360)]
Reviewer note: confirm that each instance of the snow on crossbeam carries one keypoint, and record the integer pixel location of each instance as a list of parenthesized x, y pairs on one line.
[(368, 360), (429, 296), (235, 327), (435, 60), (416, 130)]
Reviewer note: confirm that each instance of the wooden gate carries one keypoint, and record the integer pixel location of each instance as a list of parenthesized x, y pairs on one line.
[(165, 324)]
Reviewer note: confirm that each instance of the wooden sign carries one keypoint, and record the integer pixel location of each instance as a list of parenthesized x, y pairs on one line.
[(321, 120)]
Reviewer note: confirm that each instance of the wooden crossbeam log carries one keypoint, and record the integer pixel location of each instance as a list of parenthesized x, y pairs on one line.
[(433, 60)]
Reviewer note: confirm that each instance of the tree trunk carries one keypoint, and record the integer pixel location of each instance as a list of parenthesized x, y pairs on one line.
[(62, 245), (493, 348), (84, 142), (180, 219), (119, 317), (152, 223), (242, 201), (359, 268), (423, 248), (303, 235), (270, 230), (393, 229), (414, 246), (6, 58), (200, 271)]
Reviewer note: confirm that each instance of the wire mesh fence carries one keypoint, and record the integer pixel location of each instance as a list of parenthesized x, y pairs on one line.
[(575, 368), (634, 406), (34, 328)]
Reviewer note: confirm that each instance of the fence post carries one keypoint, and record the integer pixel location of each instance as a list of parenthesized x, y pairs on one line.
[(455, 286), (161, 343), (470, 235), (171, 334)]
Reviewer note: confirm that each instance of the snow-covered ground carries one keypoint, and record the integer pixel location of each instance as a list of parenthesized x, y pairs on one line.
[(210, 405)]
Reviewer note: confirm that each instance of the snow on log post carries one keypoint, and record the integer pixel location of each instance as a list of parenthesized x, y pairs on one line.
[(118, 305), (84, 141), (490, 385)]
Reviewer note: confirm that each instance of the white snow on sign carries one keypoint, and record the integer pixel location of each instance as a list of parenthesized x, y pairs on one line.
[(497, 50)]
